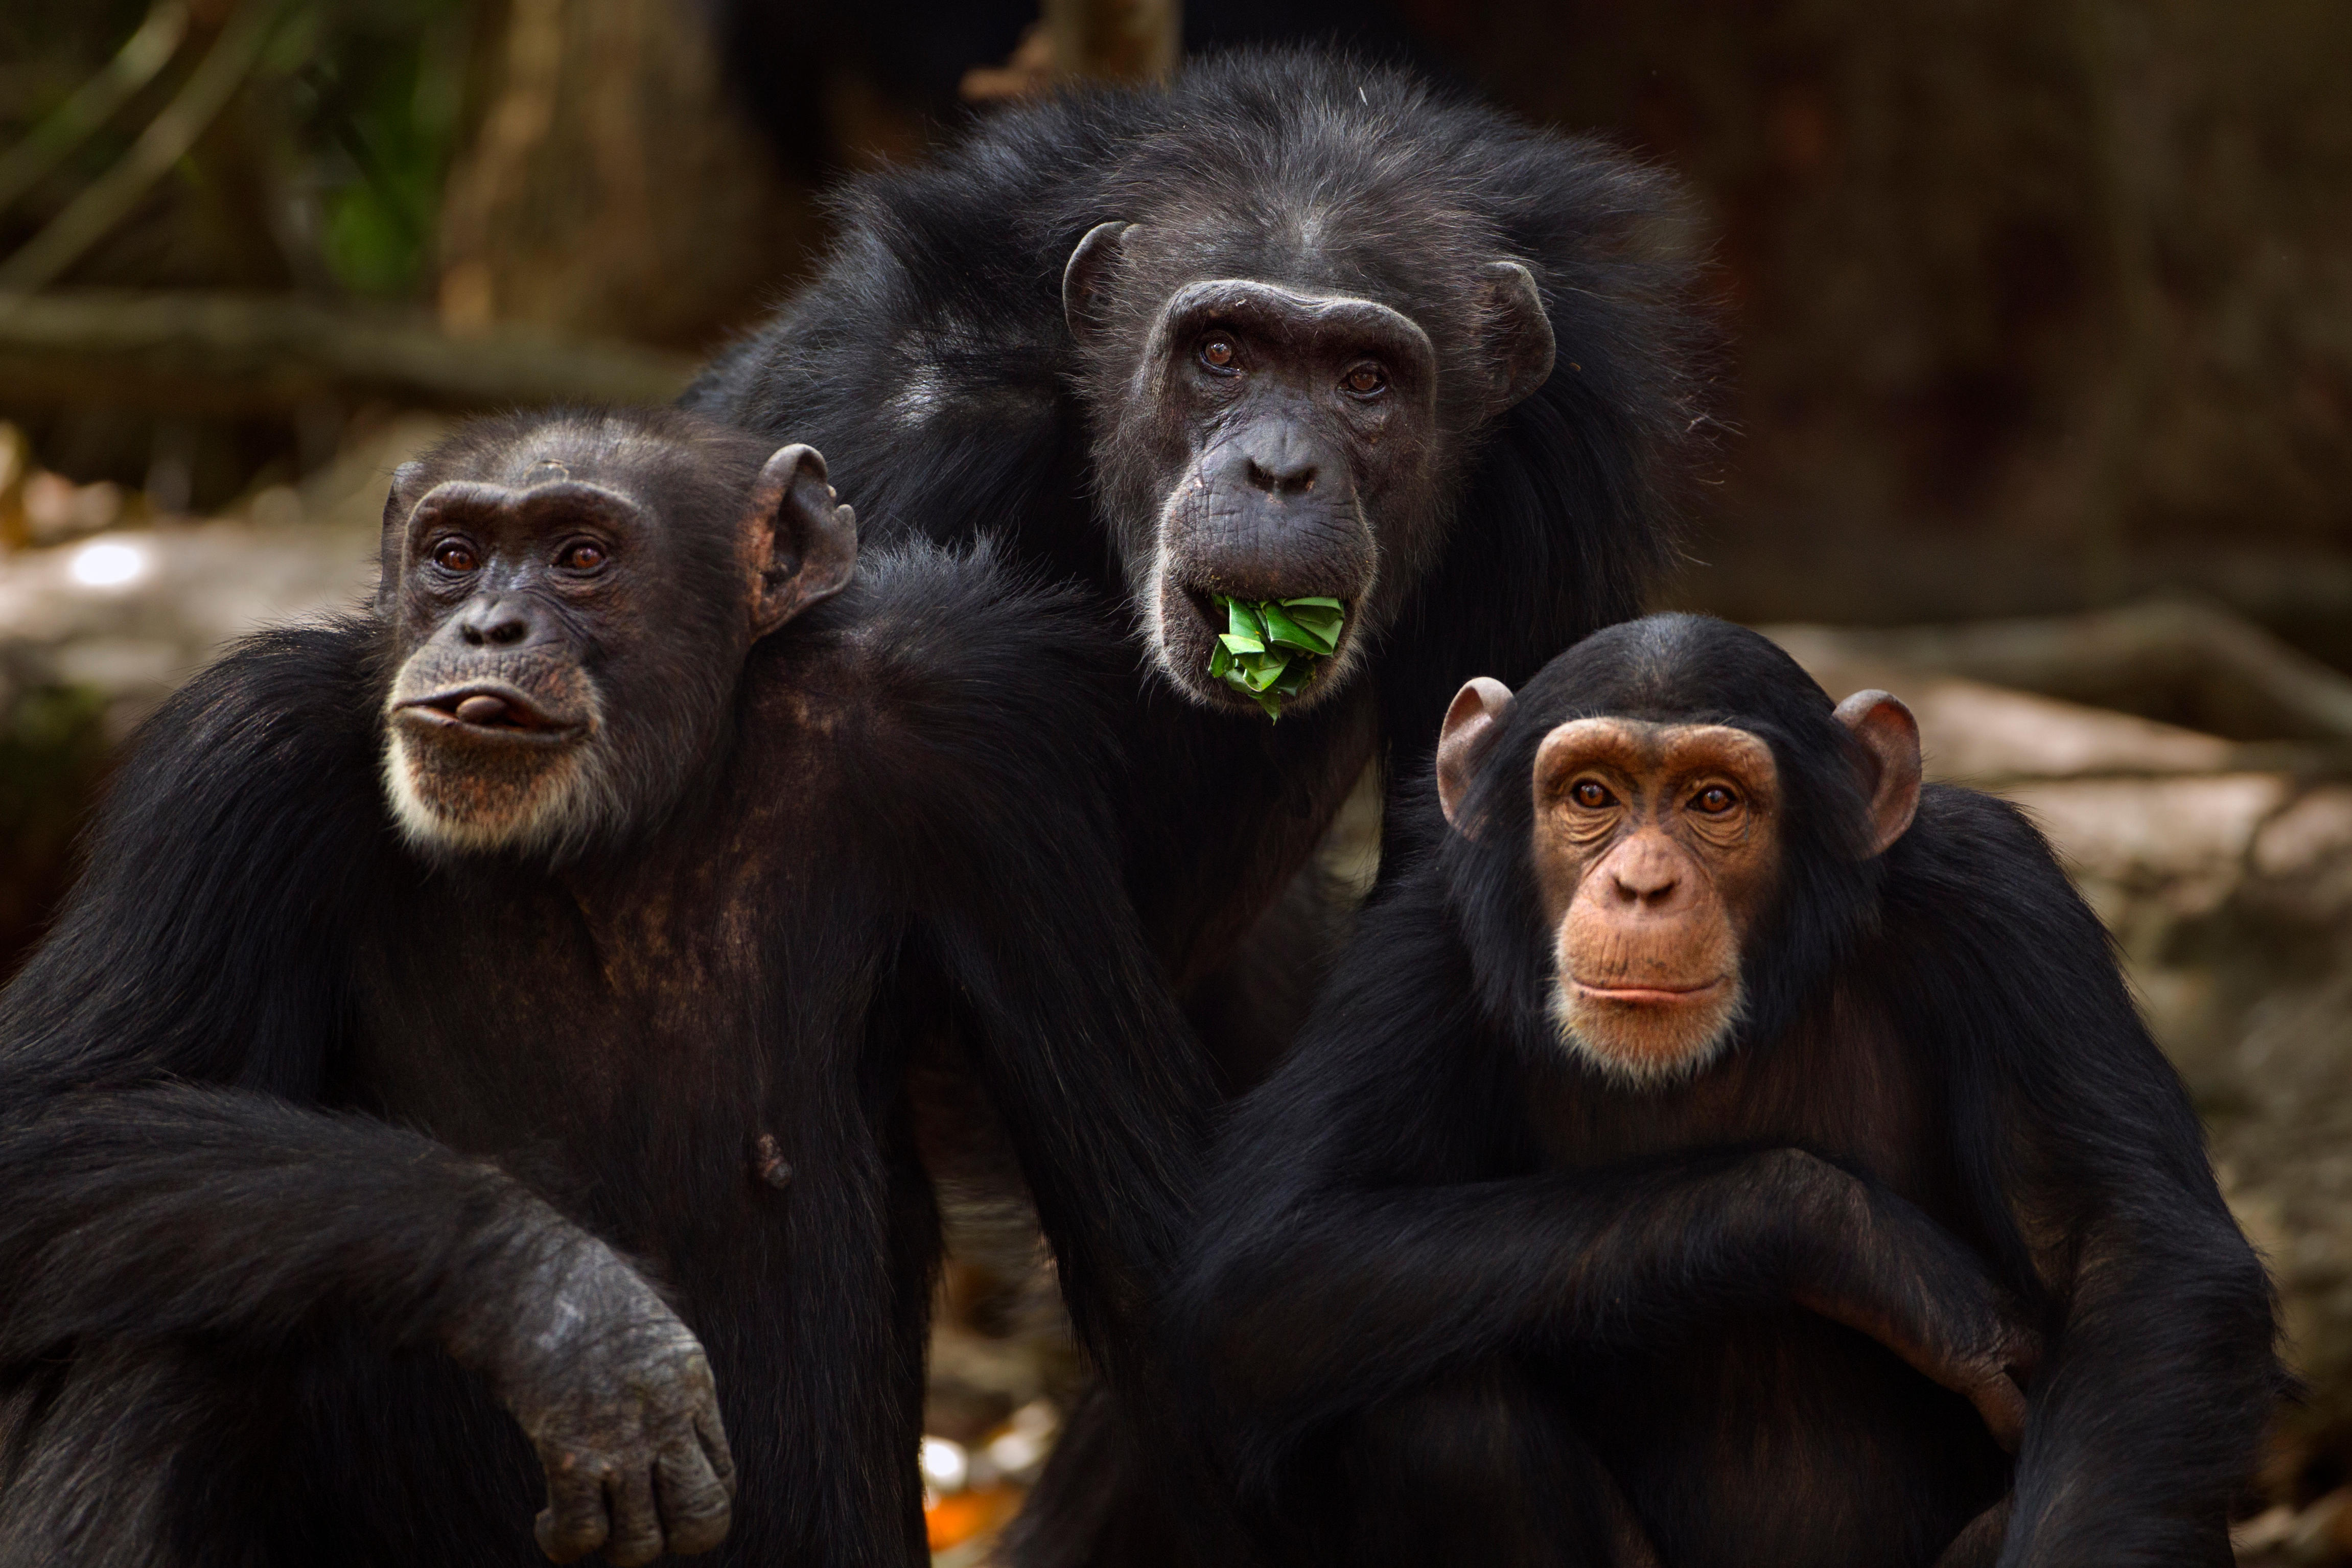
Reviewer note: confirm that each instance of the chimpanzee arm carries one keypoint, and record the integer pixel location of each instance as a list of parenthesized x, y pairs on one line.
[(1357, 1240), (2150, 1411), (204, 945), (141, 1216), (1004, 830), (164, 1177)]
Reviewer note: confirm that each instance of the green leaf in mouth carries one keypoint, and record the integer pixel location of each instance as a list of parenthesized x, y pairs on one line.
[(1270, 647)]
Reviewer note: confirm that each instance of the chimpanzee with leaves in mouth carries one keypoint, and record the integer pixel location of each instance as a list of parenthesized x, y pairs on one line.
[(1699, 968), (505, 996), (1295, 327), (1298, 327)]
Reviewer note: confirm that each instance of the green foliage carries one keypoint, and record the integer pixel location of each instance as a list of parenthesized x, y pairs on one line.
[(1270, 647), (379, 122)]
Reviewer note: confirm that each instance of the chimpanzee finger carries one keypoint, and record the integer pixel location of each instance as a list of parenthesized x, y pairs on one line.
[(1978, 1546), (2022, 1357), (695, 1508), (2001, 1403), (636, 1536), (712, 1433), (573, 1524)]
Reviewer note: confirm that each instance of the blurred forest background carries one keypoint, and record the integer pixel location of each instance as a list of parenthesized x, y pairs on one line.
[(2039, 412)]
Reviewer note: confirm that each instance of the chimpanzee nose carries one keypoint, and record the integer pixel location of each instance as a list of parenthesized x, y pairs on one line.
[(493, 622), (1277, 462), (1643, 878), (1296, 479)]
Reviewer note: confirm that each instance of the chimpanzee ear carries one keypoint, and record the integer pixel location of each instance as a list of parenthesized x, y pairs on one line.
[(1082, 279), (798, 546), (407, 482), (1472, 724), (1891, 737), (1519, 346)]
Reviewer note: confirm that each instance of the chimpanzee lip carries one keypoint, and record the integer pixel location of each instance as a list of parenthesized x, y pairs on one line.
[(524, 721), (1650, 995)]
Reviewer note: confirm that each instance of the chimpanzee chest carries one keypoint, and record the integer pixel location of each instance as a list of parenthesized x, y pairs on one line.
[(1840, 1083), (629, 1039)]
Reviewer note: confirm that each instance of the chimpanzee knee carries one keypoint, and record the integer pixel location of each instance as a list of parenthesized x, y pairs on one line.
[(1448, 1473)]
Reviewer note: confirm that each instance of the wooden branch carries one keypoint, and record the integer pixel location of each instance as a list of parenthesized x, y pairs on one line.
[(93, 103), (109, 199), (2106, 656), (248, 354)]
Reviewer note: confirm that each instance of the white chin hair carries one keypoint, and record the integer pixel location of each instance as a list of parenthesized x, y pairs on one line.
[(556, 816), (1641, 1070)]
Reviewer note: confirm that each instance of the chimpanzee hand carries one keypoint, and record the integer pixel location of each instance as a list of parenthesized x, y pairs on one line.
[(1985, 1354), (1875, 1263), (616, 1395)]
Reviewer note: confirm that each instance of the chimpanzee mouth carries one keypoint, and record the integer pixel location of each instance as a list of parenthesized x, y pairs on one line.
[(1268, 653), (1650, 996), (489, 708)]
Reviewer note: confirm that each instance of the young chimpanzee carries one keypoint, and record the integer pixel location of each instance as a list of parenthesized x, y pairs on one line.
[(506, 997), (1699, 966)]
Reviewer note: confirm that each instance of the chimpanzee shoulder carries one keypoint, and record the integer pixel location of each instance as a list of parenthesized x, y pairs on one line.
[(1990, 951), (1976, 903), (272, 748), (948, 658)]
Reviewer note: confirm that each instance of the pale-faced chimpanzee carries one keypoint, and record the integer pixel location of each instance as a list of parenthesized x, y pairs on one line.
[(506, 996), (1700, 957), (1296, 325)]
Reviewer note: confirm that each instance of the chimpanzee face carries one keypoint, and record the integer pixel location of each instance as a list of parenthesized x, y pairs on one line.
[(1657, 848), (1271, 441), (570, 622)]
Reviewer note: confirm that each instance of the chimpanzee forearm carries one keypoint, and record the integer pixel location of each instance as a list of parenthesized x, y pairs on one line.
[(1085, 1057), (158, 1213), (148, 1215), (1357, 1297), (2158, 1386), (1098, 1078), (2160, 1376)]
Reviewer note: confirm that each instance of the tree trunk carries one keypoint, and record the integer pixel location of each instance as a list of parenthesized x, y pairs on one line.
[(610, 187)]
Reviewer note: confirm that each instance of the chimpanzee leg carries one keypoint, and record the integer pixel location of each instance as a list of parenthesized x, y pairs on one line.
[(1485, 1467), (123, 1456), (1095, 1506)]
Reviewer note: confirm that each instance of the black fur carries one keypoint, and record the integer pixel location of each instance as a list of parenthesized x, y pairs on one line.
[(289, 1116), (933, 357), (1433, 1209)]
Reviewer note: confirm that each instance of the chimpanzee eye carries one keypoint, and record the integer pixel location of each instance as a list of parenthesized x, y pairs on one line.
[(1217, 353), (455, 555), (581, 555), (1367, 379), (1714, 800), (1590, 794)]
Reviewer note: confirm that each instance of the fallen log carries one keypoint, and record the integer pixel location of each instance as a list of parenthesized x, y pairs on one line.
[(232, 354), (2173, 658)]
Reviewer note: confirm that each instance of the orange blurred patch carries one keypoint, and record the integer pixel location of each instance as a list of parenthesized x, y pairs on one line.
[(952, 1521)]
